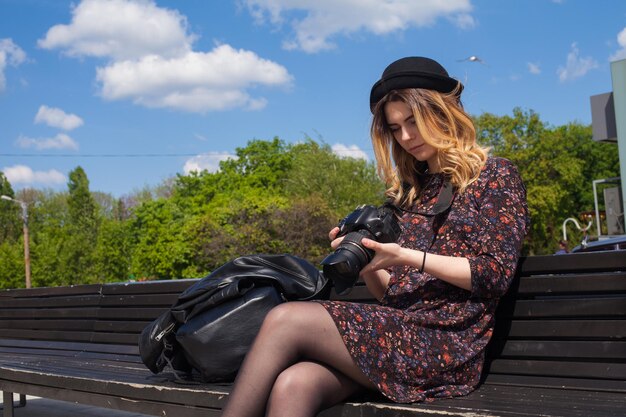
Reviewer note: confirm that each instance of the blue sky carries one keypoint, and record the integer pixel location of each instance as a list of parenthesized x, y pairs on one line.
[(135, 91)]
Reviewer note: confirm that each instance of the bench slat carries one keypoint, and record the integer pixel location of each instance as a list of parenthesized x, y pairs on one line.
[(561, 329), (573, 263), (175, 286), (86, 289), (43, 324), (609, 282), (47, 335), (122, 402), (50, 302), (571, 307), (136, 300), (608, 351), (49, 313), (74, 346), (570, 369)]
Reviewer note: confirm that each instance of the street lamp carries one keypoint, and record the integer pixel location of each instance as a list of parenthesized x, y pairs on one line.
[(26, 238)]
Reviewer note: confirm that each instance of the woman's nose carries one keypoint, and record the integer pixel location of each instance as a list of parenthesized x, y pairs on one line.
[(406, 134)]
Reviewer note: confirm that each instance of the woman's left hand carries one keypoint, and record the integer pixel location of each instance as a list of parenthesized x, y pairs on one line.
[(387, 255)]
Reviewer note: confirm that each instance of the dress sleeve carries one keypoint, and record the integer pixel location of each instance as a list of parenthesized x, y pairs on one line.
[(502, 224)]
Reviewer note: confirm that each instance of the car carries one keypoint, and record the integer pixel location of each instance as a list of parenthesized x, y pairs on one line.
[(612, 243)]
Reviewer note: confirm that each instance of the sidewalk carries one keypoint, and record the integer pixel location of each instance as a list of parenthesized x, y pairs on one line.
[(43, 407)]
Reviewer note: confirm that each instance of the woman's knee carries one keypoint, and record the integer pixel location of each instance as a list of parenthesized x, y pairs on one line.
[(294, 380), (309, 386), (296, 383)]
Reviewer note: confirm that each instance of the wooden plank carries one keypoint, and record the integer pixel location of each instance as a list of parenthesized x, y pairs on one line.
[(537, 402), (175, 286), (594, 386), (50, 313), (55, 345), (43, 324), (118, 326), (56, 335), (584, 307), (573, 263), (563, 369), (123, 403), (598, 350), (130, 381), (52, 291), (51, 302), (19, 355), (138, 300), (494, 400), (608, 282), (146, 313), (561, 329), (116, 338)]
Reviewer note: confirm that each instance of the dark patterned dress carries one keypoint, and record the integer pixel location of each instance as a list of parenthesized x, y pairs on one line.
[(427, 338)]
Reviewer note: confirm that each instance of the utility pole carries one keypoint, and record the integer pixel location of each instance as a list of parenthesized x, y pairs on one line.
[(26, 236)]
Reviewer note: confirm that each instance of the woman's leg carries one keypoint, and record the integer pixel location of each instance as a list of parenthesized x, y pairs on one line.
[(305, 388), (291, 333)]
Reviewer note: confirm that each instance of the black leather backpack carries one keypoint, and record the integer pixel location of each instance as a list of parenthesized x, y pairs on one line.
[(212, 324)]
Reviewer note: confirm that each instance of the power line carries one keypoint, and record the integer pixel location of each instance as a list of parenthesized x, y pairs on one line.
[(88, 155), (139, 155)]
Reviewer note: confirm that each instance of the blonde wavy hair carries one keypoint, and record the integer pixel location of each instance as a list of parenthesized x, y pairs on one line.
[(444, 124)]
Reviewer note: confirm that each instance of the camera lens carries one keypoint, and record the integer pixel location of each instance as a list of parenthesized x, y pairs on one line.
[(343, 265)]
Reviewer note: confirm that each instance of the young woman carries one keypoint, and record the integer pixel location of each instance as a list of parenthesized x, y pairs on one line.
[(438, 285)]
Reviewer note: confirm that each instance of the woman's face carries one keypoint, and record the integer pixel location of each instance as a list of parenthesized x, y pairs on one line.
[(402, 123)]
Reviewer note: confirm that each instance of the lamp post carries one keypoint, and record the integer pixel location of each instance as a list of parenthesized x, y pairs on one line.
[(26, 238)]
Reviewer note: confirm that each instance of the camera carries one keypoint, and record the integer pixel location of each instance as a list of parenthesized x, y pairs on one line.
[(342, 267)]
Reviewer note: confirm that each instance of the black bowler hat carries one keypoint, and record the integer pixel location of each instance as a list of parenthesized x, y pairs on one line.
[(413, 72)]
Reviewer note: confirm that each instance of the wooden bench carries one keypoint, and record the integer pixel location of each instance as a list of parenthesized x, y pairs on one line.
[(559, 348)]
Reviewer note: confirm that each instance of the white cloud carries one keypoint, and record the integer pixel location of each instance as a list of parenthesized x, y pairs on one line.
[(120, 29), (55, 117), (10, 54), (60, 141), (575, 66), (534, 68), (21, 174), (151, 61), (324, 19), (621, 53), (351, 151), (197, 81), (210, 162)]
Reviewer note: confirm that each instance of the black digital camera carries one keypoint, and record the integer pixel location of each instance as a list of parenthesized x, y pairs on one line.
[(342, 267)]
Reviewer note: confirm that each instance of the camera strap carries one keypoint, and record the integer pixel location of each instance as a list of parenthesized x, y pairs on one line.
[(443, 204)]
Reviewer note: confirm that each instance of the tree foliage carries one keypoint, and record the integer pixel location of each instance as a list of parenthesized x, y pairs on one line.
[(271, 198), (557, 165)]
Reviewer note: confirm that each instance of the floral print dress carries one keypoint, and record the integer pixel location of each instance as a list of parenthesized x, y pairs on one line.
[(427, 338)]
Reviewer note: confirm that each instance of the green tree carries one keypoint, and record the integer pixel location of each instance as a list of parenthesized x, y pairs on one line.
[(48, 224), (113, 251), (11, 265), (344, 183), (159, 247), (557, 165), (10, 223), (79, 247)]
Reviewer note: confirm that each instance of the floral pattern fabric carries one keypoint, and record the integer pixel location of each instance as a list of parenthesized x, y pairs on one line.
[(427, 338)]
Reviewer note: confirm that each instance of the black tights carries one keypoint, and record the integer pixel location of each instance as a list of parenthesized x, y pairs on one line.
[(297, 366)]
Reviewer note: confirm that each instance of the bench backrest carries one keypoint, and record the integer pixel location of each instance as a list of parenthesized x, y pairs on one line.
[(562, 324)]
